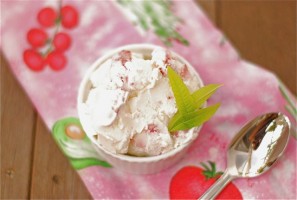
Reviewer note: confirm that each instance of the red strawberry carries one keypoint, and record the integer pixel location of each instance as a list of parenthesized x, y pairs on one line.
[(191, 182)]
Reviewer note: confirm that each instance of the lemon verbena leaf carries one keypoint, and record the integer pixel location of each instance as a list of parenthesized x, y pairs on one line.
[(173, 120), (201, 95), (183, 98), (194, 119), (179, 119)]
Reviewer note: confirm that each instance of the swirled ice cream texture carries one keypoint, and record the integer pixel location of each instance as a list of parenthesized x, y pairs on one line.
[(131, 103)]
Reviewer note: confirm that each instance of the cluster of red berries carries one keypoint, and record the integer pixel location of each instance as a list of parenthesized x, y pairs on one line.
[(53, 47)]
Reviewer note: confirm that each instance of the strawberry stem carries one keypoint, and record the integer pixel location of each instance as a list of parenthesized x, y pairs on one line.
[(210, 170), (205, 166)]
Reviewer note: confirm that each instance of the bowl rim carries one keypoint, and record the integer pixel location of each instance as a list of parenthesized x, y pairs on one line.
[(84, 83)]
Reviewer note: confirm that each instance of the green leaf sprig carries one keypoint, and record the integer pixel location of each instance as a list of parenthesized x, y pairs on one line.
[(190, 112)]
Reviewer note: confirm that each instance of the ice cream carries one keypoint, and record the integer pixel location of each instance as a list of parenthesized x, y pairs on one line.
[(130, 103)]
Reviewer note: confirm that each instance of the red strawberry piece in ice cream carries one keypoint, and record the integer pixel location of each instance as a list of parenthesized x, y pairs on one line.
[(152, 128), (124, 56), (184, 71), (162, 72)]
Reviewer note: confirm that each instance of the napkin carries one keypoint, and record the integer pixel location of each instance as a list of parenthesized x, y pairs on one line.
[(50, 45)]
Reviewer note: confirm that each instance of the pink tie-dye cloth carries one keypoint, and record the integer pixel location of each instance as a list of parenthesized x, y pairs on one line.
[(98, 26)]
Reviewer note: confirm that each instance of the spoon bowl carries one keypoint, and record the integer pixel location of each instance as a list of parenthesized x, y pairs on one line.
[(254, 150)]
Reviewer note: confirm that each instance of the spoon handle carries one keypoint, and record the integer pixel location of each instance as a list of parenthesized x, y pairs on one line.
[(217, 187)]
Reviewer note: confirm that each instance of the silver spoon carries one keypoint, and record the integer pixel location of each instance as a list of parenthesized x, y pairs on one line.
[(253, 150)]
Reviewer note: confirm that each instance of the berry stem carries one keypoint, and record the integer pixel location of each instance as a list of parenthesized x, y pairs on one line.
[(57, 24), (210, 170)]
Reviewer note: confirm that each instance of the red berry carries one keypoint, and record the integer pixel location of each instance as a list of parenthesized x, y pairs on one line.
[(47, 16), (37, 37), (62, 41), (33, 60), (56, 60), (69, 16)]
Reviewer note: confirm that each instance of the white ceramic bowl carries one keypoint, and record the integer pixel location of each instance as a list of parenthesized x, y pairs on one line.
[(131, 164)]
